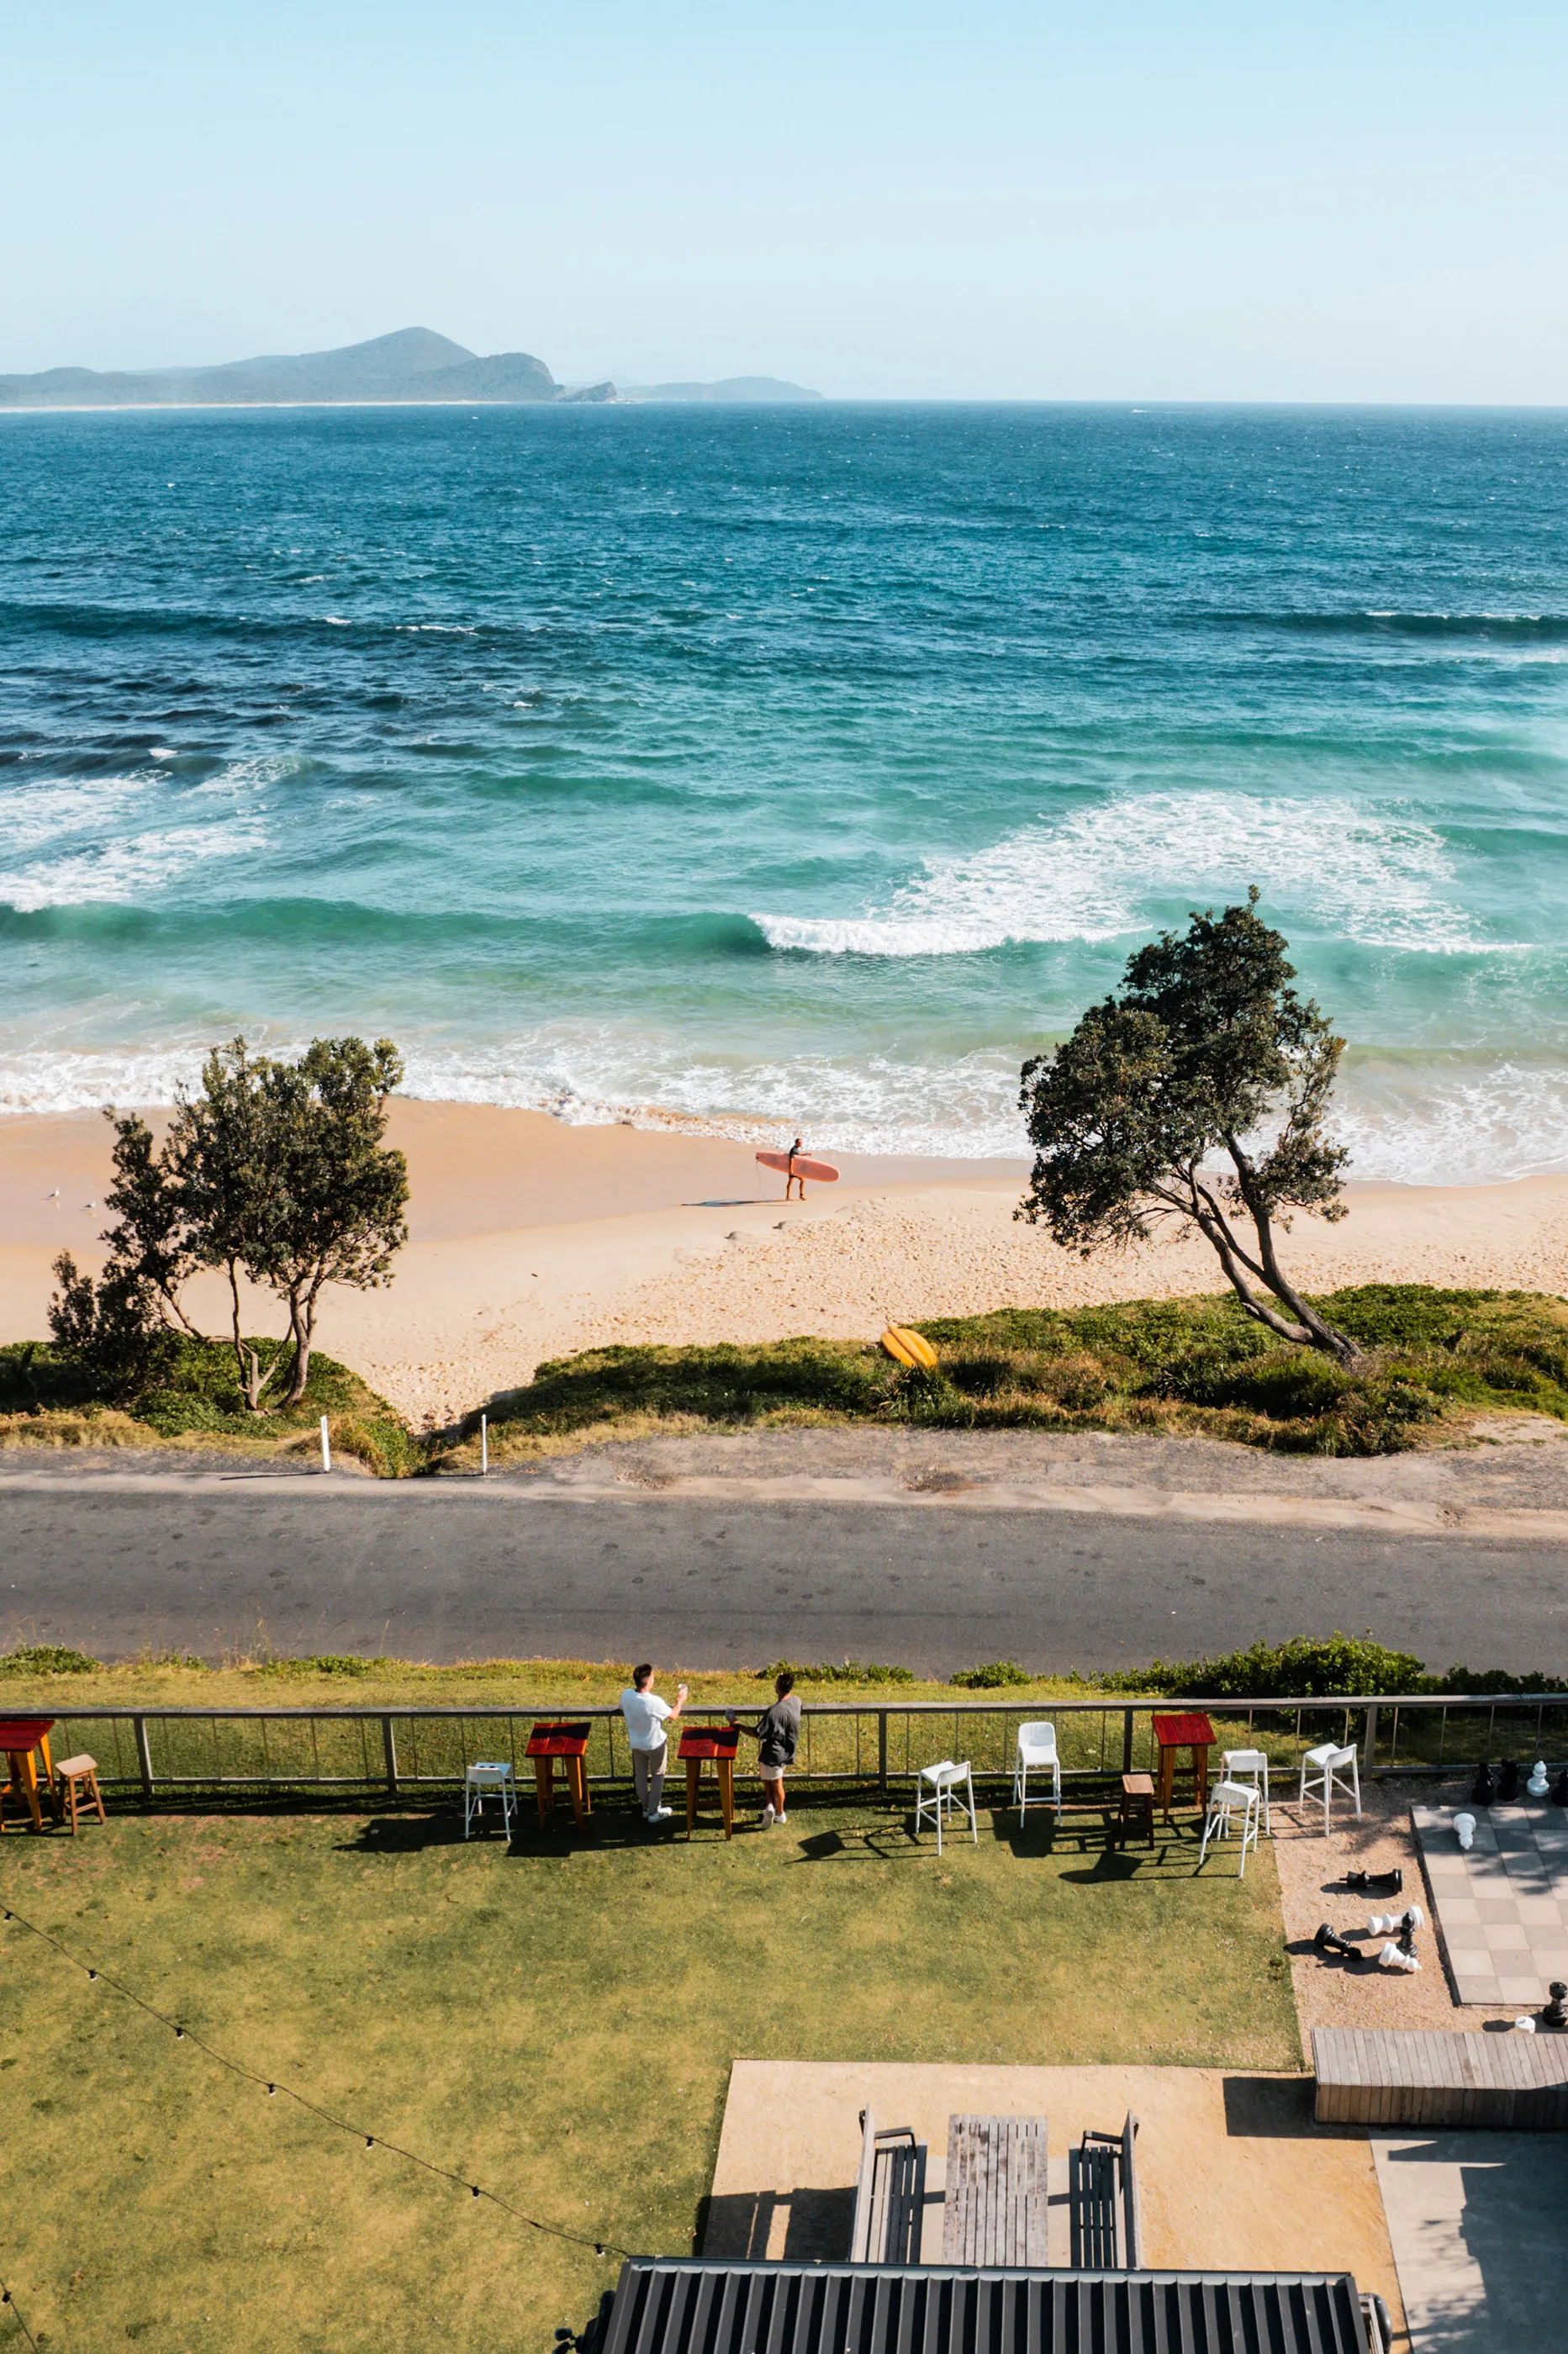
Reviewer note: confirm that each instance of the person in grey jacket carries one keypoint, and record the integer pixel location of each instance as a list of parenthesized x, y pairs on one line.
[(777, 1734)]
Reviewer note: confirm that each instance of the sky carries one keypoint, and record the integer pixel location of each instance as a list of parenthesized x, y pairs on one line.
[(1278, 201)]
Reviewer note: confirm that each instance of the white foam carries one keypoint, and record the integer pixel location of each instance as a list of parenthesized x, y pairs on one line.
[(1417, 1119), (1096, 874), (76, 842)]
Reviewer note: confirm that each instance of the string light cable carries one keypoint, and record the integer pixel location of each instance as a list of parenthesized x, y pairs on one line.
[(276, 2088), (9, 2305)]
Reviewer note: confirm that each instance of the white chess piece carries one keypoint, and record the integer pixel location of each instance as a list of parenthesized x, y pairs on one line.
[(1538, 1784), (1465, 1832)]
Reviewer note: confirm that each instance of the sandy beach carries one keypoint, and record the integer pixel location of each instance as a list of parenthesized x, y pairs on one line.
[(532, 1239)]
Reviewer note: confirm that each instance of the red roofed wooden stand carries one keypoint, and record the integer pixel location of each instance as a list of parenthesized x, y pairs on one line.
[(1196, 1735), (569, 1743), (719, 1743)]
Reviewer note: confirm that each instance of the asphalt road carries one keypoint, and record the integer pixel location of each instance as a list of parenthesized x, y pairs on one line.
[(447, 1572)]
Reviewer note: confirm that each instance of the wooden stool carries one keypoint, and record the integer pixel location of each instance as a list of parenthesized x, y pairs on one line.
[(1196, 1735), (77, 1778), (1136, 1809)]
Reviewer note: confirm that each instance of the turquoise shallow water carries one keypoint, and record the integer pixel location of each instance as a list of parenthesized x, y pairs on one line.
[(792, 767)]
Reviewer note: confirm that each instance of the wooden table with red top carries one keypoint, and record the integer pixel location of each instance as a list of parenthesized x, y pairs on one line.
[(569, 1743), (22, 1737), (1197, 1736), (719, 1743)]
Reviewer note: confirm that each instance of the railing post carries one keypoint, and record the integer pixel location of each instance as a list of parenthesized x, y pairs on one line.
[(1126, 1741), (1369, 1745), (882, 1749), (389, 1751), (143, 1754)]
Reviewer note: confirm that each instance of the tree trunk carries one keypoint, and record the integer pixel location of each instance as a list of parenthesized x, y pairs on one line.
[(301, 1324)]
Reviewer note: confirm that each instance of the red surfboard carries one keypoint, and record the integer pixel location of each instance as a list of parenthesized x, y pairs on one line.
[(820, 1173)]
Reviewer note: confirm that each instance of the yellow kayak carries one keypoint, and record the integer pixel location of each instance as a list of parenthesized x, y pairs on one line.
[(909, 1348)]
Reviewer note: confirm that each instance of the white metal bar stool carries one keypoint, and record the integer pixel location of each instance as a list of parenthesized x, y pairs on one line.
[(939, 1788), (1251, 1765), (1036, 1753), (1226, 1799), (1329, 1767), (488, 1776)]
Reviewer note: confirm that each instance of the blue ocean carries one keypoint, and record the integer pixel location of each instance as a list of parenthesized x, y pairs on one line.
[(784, 766)]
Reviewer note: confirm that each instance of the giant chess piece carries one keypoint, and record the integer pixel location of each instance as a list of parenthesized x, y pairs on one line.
[(1508, 1783), (1329, 1941), (1555, 2014), (1538, 1784), (1559, 1789), (1481, 1792), (1376, 1884)]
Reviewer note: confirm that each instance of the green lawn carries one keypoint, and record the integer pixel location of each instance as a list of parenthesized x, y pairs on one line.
[(556, 2022)]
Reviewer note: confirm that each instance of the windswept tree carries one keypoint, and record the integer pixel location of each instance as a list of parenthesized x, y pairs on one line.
[(1198, 1093), (277, 1173), (287, 1180)]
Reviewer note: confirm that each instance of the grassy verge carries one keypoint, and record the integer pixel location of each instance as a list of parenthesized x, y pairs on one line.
[(1433, 1359), (45, 1400), (556, 2023)]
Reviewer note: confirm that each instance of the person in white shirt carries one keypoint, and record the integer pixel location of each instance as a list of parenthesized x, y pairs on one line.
[(646, 1716)]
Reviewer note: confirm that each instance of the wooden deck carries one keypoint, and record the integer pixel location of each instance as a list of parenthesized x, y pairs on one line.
[(997, 2202), (1393, 2076)]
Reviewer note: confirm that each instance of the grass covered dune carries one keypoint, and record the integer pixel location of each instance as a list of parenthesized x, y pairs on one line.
[(1430, 1358)]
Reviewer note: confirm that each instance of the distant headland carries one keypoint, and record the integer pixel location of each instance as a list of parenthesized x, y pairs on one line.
[(414, 364)]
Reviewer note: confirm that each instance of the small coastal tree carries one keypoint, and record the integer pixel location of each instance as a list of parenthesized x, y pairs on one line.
[(1206, 1054), (286, 1180), (274, 1172)]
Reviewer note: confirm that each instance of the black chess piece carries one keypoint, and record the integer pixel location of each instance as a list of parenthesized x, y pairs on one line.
[(1481, 1790), (1407, 1933), (1329, 1941), (1559, 1789), (1555, 2014), (1508, 1783), (1376, 1884)]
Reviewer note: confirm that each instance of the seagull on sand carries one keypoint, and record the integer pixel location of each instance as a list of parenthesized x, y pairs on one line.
[(54, 1196)]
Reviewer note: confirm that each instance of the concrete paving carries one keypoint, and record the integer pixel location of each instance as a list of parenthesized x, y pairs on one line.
[(1233, 2173), (1477, 2224)]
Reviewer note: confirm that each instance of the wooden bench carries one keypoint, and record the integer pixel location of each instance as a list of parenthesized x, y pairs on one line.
[(1102, 2201), (997, 2200), (889, 2196), (1409, 2076)]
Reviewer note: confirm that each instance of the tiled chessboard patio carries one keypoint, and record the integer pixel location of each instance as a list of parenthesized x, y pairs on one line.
[(1502, 1909)]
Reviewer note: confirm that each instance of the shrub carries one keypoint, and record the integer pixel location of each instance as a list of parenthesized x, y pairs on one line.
[(851, 1671), (1307, 1666), (993, 1677), (323, 1664), (47, 1659)]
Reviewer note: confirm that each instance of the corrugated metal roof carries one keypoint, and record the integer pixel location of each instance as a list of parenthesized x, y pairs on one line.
[(675, 2305)]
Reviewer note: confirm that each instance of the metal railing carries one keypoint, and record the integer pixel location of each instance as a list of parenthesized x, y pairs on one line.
[(869, 1744)]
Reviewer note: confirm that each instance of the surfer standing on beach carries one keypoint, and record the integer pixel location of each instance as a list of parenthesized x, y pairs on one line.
[(792, 1178)]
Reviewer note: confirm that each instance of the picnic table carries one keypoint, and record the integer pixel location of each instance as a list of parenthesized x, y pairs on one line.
[(715, 1744), (997, 2201), (569, 1743), (1197, 1736), (22, 1738)]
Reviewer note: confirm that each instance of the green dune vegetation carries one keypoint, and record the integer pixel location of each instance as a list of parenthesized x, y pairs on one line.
[(1429, 1362)]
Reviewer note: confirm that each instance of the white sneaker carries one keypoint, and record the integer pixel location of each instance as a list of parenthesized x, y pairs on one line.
[(768, 1818), (659, 1815), (780, 1819)]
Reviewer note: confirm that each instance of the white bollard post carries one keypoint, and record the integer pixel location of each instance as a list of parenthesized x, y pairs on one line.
[(483, 1447), (326, 1447)]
